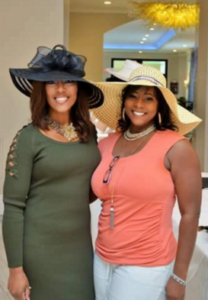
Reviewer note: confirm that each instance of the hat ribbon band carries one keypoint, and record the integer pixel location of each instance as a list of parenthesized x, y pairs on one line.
[(47, 60), (148, 78)]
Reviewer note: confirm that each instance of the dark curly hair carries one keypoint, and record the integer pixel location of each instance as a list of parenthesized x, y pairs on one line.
[(79, 112), (163, 109)]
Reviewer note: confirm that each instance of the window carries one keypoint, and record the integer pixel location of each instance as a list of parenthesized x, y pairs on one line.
[(157, 64)]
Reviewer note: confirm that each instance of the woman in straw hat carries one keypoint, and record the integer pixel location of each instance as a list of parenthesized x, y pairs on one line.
[(46, 223), (144, 166)]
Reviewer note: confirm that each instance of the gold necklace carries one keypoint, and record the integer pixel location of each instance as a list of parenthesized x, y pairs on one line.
[(113, 188), (68, 131)]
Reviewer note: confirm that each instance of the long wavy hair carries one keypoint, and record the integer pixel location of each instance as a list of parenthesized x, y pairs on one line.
[(79, 113), (166, 121)]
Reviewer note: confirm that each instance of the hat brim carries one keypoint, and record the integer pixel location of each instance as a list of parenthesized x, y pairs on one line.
[(110, 112), (23, 78), (117, 74), (125, 71)]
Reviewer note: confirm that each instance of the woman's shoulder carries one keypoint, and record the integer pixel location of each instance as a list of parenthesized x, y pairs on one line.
[(26, 131), (22, 143), (107, 141), (25, 135), (170, 135), (166, 139)]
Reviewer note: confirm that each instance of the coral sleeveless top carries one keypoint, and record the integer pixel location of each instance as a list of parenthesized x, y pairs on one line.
[(143, 196)]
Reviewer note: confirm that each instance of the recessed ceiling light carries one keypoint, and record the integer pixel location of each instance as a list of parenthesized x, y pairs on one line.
[(141, 42), (140, 52), (152, 29), (144, 39), (107, 2), (146, 35), (174, 50)]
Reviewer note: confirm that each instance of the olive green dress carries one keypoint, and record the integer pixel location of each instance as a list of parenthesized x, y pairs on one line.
[(46, 223)]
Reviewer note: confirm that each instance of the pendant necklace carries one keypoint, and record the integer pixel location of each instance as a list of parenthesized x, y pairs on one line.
[(113, 188), (67, 131)]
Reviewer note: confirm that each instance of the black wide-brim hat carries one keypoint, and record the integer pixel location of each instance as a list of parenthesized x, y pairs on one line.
[(56, 65)]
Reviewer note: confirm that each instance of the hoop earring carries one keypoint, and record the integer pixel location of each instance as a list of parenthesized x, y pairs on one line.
[(159, 118), (123, 115)]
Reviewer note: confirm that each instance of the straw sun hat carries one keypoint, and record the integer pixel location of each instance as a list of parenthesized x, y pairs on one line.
[(110, 112)]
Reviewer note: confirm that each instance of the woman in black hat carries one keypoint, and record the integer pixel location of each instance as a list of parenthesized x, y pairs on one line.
[(46, 223)]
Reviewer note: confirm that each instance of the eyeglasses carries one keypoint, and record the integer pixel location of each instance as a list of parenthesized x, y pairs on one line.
[(108, 173)]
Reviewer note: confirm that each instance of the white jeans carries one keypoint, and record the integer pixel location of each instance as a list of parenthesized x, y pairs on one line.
[(122, 282)]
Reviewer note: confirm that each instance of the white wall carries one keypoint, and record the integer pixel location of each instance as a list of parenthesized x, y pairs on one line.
[(201, 86), (86, 37), (177, 64), (66, 22), (24, 25)]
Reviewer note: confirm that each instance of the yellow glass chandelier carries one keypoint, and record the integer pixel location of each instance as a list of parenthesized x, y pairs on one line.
[(176, 15)]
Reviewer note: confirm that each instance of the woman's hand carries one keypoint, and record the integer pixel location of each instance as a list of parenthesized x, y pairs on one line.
[(174, 290), (18, 284)]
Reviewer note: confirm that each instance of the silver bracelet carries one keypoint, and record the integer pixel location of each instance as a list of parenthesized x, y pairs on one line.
[(178, 279)]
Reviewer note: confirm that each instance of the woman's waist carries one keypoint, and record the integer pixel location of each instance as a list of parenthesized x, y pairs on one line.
[(121, 237), (136, 248), (132, 228), (52, 229), (60, 217), (132, 215)]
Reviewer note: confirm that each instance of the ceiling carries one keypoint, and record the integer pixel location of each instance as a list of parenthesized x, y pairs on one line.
[(127, 37), (117, 6)]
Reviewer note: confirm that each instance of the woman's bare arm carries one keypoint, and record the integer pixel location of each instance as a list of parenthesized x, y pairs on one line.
[(186, 175)]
